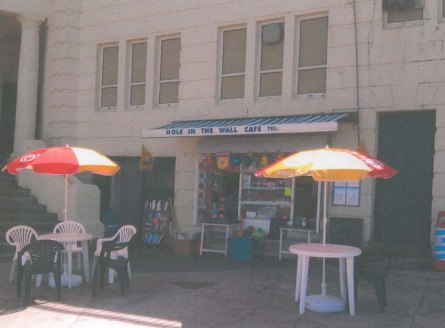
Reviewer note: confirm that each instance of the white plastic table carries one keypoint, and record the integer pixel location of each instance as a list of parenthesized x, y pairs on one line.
[(343, 253), (67, 239), (228, 227)]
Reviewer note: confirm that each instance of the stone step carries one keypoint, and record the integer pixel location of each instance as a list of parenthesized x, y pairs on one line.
[(17, 200), (14, 192), (7, 184), (28, 217), (18, 208), (4, 176)]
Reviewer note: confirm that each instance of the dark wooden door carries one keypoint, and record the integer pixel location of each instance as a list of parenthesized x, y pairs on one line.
[(126, 191), (402, 211), (7, 118)]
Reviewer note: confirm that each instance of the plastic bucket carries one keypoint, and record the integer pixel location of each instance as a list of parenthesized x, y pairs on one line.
[(439, 250), (439, 244), (240, 249)]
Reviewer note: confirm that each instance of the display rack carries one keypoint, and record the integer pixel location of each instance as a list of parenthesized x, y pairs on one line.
[(156, 221), (290, 236), (261, 200), (228, 227)]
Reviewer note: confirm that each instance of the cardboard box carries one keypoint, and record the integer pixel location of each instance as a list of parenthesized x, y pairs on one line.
[(183, 247)]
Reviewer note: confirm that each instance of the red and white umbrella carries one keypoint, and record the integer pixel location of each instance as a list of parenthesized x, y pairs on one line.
[(63, 160)]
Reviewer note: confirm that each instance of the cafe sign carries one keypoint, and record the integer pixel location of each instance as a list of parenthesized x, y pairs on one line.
[(248, 126)]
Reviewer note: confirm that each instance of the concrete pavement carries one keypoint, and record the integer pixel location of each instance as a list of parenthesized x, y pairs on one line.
[(211, 291)]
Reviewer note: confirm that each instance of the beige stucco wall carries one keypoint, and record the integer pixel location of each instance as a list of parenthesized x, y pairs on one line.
[(400, 69)]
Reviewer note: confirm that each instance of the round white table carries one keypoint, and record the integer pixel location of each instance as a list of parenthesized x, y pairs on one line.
[(67, 239), (343, 253)]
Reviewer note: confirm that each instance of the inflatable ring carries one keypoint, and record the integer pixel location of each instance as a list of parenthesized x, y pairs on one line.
[(223, 162)]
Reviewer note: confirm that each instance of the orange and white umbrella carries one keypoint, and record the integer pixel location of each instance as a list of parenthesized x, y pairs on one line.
[(63, 160), (328, 164)]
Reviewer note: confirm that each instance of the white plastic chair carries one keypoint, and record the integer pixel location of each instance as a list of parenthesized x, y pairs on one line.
[(19, 236), (124, 234), (75, 227)]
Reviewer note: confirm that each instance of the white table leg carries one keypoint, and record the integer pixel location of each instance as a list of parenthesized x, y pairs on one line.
[(69, 252), (227, 240), (280, 245), (202, 239), (341, 266), (304, 273), (350, 276), (298, 281), (86, 266)]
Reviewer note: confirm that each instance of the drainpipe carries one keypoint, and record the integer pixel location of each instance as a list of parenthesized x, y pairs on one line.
[(356, 74), (43, 36)]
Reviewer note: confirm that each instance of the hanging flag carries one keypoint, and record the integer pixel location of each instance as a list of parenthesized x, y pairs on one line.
[(362, 148), (147, 161)]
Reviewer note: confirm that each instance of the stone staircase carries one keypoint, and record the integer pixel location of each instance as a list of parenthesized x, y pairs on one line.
[(18, 206)]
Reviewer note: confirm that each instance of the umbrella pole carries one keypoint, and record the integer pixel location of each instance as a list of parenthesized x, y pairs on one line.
[(65, 210), (325, 219), (317, 224)]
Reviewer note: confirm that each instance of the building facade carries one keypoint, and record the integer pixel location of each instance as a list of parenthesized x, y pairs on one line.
[(178, 77)]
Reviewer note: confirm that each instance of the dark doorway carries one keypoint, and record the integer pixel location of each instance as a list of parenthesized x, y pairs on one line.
[(126, 191), (7, 119), (124, 194), (402, 213), (305, 202), (230, 193), (104, 185), (159, 183)]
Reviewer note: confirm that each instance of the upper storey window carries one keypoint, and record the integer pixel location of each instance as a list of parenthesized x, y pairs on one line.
[(109, 56), (137, 73), (400, 11), (169, 63), (233, 64), (271, 60), (312, 55)]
